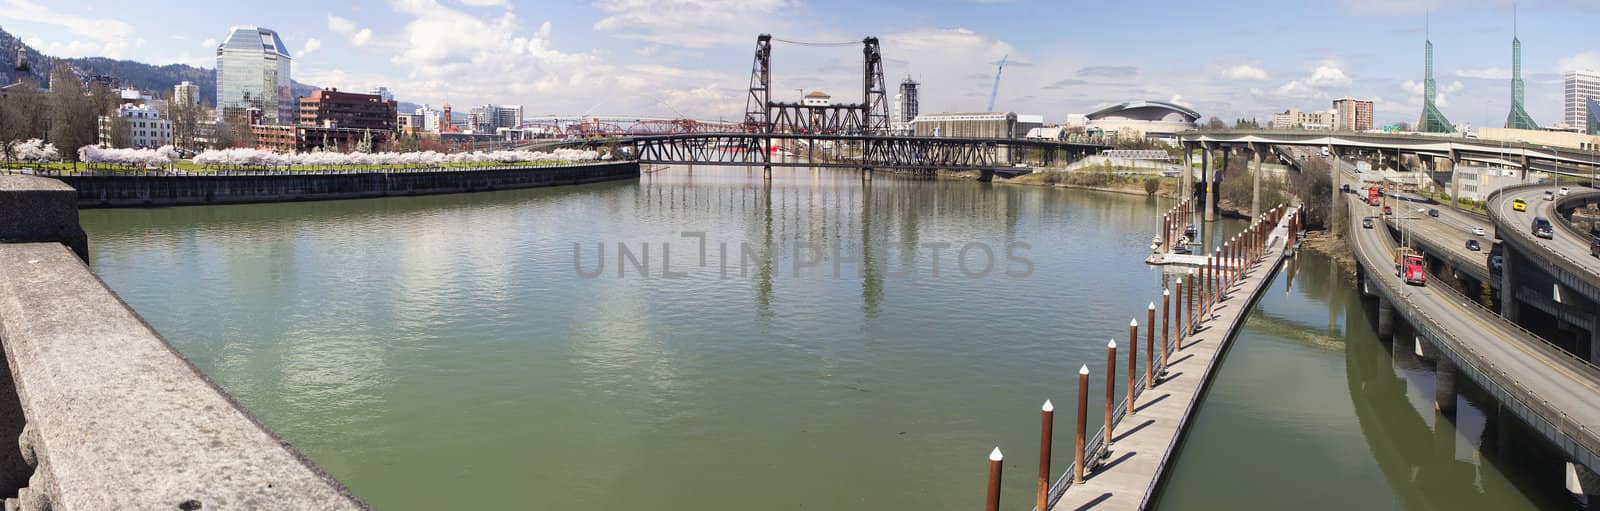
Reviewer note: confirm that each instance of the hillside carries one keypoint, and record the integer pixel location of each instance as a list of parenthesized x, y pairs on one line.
[(158, 79)]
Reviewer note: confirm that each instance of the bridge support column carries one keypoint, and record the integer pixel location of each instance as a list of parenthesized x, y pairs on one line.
[(1186, 185), (1455, 184), (766, 173), (866, 175), (1508, 290), (1385, 319), (985, 176), (1582, 481), (1208, 176), (1444, 394), (1255, 182)]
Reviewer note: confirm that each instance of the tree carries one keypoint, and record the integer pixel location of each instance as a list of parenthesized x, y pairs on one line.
[(185, 119), (120, 134), (365, 145), (1215, 124), (73, 120)]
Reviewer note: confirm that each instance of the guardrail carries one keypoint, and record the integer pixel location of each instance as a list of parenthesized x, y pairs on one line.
[(1584, 444)]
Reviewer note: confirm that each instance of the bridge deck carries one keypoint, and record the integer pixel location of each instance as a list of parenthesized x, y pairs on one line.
[(1143, 443)]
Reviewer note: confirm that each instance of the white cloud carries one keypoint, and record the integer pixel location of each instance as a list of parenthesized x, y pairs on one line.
[(1487, 73), (1441, 95), (688, 23), (1244, 72), (486, 3), (341, 25), (210, 43), (1319, 84), (108, 37), (312, 44), (504, 61), (1177, 99), (1586, 61)]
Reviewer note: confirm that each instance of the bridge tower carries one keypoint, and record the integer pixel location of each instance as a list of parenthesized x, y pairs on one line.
[(756, 113), (874, 93)]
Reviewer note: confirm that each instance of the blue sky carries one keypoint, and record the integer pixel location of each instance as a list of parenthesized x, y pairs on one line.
[(692, 57)]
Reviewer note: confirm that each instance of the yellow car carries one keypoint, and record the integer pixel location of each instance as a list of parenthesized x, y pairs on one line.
[(1519, 204)]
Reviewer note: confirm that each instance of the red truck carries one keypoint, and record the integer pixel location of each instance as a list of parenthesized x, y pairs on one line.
[(1374, 196), (1408, 265)]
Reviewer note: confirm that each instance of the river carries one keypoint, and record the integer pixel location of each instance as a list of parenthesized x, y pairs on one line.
[(699, 339)]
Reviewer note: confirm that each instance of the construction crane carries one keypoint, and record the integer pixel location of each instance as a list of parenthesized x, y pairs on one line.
[(996, 90)]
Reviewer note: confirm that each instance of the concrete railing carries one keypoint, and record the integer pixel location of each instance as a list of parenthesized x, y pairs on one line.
[(106, 414)]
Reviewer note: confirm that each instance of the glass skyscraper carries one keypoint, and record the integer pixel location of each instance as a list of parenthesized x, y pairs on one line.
[(1433, 121), (1518, 118), (253, 72)]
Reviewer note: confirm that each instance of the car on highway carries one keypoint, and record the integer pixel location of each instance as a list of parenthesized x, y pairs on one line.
[(1565, 191), (1366, 223), (1477, 231), (1388, 210), (1433, 213), (1549, 195), (1542, 228), (1518, 204), (1474, 246), (1594, 246)]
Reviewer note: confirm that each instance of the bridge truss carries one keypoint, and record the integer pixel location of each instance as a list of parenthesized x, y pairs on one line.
[(762, 115), (851, 151)]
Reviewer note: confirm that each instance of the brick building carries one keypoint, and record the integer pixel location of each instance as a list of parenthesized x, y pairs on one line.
[(330, 108)]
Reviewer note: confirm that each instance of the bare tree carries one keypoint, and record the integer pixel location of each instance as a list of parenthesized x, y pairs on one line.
[(73, 120)]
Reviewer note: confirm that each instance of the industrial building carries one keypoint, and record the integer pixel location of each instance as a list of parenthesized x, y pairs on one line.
[(331, 108), (975, 125)]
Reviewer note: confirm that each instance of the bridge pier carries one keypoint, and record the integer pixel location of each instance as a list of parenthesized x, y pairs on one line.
[(1444, 393), (1255, 182), (866, 174), (1208, 175), (1385, 319), (986, 175), (766, 173), (1581, 480), (1508, 291)]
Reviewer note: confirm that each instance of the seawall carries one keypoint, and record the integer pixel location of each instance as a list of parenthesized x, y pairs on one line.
[(105, 190)]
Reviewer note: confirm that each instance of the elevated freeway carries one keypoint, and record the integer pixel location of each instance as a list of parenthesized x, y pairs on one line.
[(1557, 276), (1555, 392)]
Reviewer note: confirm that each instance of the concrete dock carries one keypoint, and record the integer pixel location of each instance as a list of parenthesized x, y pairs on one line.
[(1126, 475)]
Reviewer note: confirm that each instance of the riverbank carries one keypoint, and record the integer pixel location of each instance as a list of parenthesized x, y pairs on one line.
[(108, 191), (1165, 187)]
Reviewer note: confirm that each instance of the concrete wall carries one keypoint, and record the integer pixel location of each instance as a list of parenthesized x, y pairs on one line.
[(105, 414), (159, 190)]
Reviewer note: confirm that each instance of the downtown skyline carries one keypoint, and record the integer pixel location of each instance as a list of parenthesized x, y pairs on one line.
[(691, 57)]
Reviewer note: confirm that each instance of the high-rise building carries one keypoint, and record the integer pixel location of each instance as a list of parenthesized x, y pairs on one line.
[(1581, 86), (1433, 121), (906, 107), (253, 72), (1293, 118), (1594, 116), (186, 93), (508, 116), (1352, 114), (1518, 118)]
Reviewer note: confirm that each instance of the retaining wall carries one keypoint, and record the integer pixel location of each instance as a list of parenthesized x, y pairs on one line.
[(166, 190)]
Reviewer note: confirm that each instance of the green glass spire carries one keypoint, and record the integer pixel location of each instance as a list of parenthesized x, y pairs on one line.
[(1518, 118), (1433, 121), (1594, 116)]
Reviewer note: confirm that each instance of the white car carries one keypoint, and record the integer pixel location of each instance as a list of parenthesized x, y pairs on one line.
[(1477, 231), (1565, 191)]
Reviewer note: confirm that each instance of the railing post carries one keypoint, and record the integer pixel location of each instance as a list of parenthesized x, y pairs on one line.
[(1046, 430), (993, 501), (1133, 362), (1150, 347), (1111, 390), (1083, 416), (1166, 328)]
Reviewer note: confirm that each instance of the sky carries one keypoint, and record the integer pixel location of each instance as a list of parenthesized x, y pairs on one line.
[(692, 58)]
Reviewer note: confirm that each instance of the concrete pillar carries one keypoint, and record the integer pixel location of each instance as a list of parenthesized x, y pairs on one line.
[(1208, 176), (41, 210), (1255, 183), (1186, 178), (1385, 319), (1444, 394), (1582, 481), (1455, 183), (1508, 290)]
